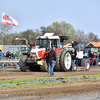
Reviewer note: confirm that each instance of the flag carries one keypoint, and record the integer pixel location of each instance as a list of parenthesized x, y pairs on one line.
[(6, 19)]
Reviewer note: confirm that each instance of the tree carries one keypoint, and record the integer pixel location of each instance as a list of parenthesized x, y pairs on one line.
[(62, 28), (92, 37), (80, 36), (4, 29), (30, 35)]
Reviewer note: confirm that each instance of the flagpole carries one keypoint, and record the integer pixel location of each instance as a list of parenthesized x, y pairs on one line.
[(2, 33)]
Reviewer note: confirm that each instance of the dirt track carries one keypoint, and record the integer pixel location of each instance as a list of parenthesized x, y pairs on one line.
[(51, 91), (13, 74)]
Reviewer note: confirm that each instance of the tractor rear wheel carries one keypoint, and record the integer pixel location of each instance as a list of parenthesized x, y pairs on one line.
[(86, 64), (22, 64), (66, 61), (57, 65)]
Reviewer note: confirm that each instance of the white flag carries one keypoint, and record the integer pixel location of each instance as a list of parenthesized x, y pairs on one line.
[(6, 19)]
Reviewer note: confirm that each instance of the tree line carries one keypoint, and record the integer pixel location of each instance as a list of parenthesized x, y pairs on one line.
[(63, 28)]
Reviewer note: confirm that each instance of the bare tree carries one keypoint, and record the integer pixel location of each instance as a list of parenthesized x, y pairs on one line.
[(4, 29)]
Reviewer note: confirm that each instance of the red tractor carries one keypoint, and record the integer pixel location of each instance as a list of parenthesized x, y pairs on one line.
[(32, 61)]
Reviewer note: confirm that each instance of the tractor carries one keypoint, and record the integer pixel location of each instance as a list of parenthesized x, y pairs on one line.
[(32, 61), (82, 56)]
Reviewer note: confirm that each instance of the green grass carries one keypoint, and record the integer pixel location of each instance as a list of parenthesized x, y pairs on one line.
[(15, 81), (9, 69)]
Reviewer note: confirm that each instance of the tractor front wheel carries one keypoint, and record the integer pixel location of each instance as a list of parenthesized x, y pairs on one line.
[(22, 64)]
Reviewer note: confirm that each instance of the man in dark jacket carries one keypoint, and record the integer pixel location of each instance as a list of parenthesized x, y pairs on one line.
[(52, 59), (97, 58), (74, 43), (73, 54), (47, 60), (92, 57)]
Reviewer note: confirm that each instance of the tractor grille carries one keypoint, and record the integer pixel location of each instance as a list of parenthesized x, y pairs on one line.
[(33, 54)]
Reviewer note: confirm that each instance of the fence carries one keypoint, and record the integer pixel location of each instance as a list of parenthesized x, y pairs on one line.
[(9, 63)]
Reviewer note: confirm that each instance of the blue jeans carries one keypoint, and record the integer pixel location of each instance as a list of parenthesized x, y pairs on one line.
[(92, 61), (52, 64), (96, 62), (73, 62), (48, 67)]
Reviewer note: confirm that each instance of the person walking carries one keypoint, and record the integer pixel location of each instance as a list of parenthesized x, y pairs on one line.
[(73, 54), (97, 58), (52, 60), (92, 57), (46, 58)]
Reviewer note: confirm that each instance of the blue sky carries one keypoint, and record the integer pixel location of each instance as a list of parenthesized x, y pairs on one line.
[(32, 14)]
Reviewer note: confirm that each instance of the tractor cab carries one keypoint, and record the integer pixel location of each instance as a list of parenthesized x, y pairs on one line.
[(48, 41), (80, 48), (43, 43)]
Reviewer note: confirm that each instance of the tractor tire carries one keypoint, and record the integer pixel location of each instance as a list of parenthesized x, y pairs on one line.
[(57, 65), (86, 64), (66, 61), (22, 64), (43, 67)]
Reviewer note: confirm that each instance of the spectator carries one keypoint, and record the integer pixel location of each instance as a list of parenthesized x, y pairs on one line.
[(74, 43), (73, 54), (7, 53), (4, 55), (0, 54), (97, 58), (13, 55), (52, 59), (92, 57)]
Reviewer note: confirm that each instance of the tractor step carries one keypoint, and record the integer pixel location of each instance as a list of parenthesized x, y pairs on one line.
[(80, 68)]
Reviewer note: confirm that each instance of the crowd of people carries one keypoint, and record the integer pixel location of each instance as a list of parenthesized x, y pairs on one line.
[(8, 54), (96, 56)]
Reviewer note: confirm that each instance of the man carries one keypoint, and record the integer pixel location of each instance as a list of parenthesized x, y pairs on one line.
[(52, 60), (46, 58), (92, 57), (97, 58), (0, 54), (73, 54), (74, 43)]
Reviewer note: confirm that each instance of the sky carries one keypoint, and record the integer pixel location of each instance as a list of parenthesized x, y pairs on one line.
[(32, 14)]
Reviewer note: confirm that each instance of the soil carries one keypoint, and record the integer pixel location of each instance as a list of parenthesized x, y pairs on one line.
[(51, 91)]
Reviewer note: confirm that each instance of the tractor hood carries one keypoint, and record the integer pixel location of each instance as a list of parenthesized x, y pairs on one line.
[(38, 52)]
